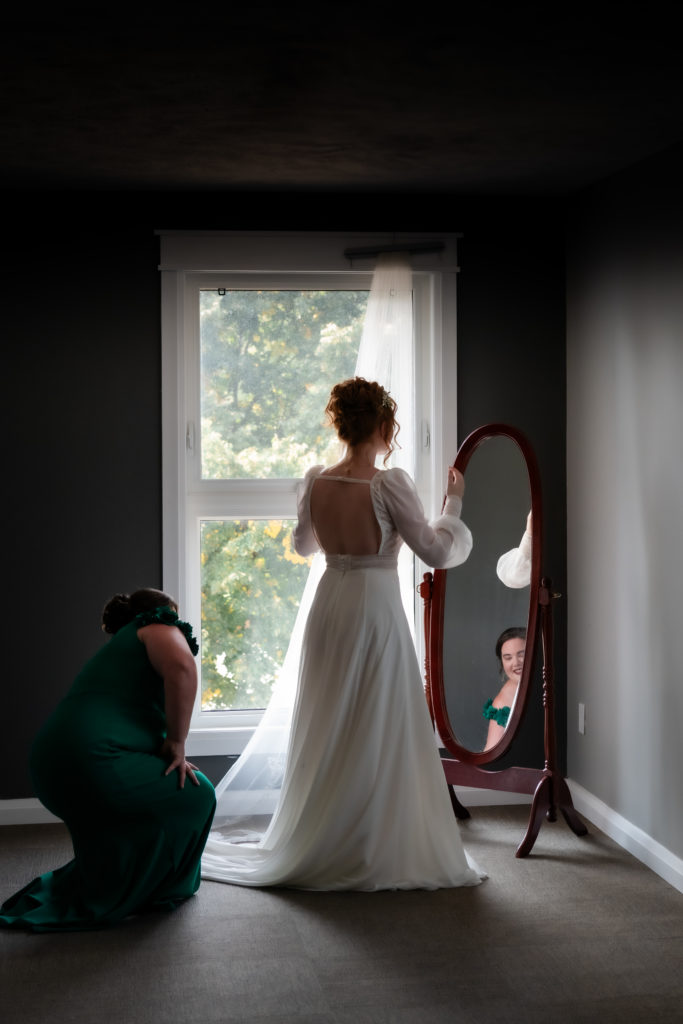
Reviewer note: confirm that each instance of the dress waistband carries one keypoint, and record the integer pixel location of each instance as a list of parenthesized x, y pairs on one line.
[(345, 563)]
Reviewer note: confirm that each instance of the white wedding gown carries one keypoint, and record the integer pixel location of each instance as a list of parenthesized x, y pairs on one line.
[(364, 803)]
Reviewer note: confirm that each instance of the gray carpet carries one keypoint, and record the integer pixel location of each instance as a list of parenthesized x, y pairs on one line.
[(579, 931)]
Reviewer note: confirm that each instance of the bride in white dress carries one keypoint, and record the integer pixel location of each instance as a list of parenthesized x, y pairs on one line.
[(364, 803)]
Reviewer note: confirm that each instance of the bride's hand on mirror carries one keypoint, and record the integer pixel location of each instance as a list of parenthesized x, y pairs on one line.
[(456, 482)]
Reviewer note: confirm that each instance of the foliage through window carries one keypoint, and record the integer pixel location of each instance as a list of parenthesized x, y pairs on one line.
[(268, 362), (252, 581)]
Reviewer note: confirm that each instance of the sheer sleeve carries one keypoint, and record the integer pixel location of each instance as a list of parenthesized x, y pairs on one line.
[(514, 567), (442, 544), (303, 537)]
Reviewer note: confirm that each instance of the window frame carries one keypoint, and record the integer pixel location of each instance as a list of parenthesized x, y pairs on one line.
[(298, 260)]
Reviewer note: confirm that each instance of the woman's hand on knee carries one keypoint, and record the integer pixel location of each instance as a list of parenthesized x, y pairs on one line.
[(173, 751)]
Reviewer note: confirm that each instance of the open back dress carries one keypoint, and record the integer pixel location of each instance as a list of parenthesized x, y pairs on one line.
[(364, 803)]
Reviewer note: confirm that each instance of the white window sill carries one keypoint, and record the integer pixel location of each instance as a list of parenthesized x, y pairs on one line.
[(223, 740)]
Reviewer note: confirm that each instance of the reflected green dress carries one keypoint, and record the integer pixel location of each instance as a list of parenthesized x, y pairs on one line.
[(137, 837)]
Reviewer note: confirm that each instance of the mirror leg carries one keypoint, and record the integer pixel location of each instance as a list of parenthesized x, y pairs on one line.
[(564, 801), (540, 805), (460, 812), (552, 792)]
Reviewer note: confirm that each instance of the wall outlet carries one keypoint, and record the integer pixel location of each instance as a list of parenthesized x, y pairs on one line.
[(582, 719)]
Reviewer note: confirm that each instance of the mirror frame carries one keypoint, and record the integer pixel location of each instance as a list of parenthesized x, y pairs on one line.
[(435, 673)]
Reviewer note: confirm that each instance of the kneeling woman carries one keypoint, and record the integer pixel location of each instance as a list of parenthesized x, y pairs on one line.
[(110, 762)]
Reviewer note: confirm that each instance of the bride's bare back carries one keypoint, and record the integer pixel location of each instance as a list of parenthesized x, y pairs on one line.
[(342, 515)]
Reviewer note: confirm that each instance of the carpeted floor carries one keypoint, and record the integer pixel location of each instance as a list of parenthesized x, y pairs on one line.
[(578, 932)]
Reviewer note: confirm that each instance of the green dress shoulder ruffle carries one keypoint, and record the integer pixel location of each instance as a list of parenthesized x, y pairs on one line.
[(498, 715), (165, 616)]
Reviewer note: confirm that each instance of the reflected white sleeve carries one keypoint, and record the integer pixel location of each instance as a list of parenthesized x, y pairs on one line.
[(442, 544), (514, 567)]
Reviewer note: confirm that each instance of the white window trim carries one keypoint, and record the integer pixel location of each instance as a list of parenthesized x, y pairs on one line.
[(193, 259)]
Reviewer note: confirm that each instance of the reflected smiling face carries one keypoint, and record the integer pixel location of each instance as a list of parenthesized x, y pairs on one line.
[(512, 658)]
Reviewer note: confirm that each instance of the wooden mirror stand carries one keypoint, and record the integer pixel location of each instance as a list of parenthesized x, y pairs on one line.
[(546, 786)]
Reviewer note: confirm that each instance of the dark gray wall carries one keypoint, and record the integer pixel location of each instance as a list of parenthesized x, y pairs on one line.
[(82, 397), (625, 497), (81, 515), (511, 369)]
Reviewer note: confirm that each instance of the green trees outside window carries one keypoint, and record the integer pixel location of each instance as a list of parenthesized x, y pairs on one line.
[(268, 362)]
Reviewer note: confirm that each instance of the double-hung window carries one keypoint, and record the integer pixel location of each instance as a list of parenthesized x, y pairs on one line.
[(256, 329)]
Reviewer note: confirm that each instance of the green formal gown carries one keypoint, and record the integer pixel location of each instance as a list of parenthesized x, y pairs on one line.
[(137, 837)]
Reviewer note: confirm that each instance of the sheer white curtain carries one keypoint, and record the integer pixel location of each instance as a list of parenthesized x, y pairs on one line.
[(387, 351), (248, 794)]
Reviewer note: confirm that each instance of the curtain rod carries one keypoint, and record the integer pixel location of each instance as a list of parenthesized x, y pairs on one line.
[(411, 247)]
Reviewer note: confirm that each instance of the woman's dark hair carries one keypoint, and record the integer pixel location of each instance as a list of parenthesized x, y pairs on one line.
[(512, 633), (122, 608), (357, 407)]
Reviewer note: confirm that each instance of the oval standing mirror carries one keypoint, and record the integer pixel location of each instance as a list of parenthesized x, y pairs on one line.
[(482, 631), (483, 626)]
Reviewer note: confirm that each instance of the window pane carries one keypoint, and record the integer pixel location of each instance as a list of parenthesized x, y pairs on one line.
[(268, 362), (252, 580)]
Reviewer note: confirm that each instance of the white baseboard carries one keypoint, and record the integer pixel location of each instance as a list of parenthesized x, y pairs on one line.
[(631, 838), (471, 797)]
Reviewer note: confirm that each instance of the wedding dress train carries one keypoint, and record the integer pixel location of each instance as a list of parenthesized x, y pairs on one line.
[(364, 803)]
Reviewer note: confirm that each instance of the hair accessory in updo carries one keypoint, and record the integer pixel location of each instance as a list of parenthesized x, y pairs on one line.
[(357, 407)]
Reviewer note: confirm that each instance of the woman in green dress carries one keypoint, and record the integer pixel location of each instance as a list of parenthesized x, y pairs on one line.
[(110, 762)]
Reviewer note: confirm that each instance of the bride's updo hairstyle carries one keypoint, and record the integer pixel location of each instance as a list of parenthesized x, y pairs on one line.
[(357, 407), (122, 608)]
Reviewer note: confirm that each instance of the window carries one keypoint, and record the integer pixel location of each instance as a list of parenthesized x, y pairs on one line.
[(268, 358), (256, 330)]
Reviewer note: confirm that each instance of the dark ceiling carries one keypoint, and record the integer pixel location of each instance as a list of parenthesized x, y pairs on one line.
[(368, 99)]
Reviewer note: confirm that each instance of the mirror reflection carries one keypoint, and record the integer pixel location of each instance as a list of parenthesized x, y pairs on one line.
[(487, 598), (510, 649)]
